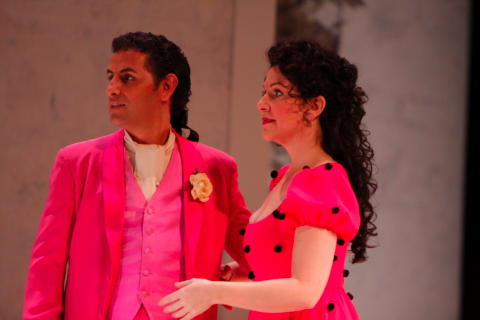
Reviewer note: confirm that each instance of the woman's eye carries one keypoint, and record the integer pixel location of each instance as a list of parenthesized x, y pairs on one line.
[(276, 93)]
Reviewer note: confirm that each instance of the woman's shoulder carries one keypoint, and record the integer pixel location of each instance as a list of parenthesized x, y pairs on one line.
[(323, 197), (322, 179)]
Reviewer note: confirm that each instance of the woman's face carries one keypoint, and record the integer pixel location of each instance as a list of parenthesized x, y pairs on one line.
[(280, 108)]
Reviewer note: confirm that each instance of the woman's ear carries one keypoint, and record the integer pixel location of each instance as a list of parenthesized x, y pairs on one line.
[(167, 86), (316, 107)]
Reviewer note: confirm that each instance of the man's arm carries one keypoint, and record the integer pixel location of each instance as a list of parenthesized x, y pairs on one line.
[(238, 220), (46, 274)]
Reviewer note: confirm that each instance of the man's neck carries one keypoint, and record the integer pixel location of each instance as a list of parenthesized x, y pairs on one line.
[(158, 137)]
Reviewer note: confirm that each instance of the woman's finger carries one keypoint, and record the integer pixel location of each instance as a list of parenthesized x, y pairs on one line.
[(174, 307), (183, 283), (180, 313), (168, 299), (188, 316)]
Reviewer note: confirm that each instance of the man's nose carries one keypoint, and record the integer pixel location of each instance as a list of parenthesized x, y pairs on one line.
[(113, 89)]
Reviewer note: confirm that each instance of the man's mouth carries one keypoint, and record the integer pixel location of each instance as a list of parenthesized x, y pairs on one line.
[(117, 105), (267, 120)]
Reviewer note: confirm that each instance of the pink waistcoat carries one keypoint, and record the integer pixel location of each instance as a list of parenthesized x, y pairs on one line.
[(152, 259)]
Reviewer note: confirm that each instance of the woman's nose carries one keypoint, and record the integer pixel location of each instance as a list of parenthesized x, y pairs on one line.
[(262, 105)]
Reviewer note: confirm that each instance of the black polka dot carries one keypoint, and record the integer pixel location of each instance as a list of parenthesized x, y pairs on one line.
[(335, 258), (278, 215), (328, 166), (274, 174), (246, 249), (330, 306), (251, 275), (278, 248), (346, 273), (242, 231), (306, 167), (335, 210), (350, 295), (340, 242)]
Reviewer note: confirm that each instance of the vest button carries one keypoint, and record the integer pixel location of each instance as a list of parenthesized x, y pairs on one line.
[(149, 210), (146, 273), (147, 250)]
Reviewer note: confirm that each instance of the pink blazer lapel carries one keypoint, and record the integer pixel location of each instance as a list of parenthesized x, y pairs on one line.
[(113, 183), (193, 210)]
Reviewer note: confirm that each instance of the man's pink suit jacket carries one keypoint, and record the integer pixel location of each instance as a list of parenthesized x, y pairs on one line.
[(76, 256)]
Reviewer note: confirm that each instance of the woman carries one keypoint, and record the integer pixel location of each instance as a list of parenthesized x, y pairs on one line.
[(296, 243)]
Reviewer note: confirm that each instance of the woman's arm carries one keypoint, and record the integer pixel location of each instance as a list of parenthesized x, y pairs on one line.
[(312, 260)]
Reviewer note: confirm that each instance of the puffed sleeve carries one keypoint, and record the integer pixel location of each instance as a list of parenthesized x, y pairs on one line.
[(323, 197)]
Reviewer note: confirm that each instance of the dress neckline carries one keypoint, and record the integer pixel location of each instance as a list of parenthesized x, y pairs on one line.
[(280, 176)]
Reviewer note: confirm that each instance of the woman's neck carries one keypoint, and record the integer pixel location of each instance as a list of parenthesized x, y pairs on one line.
[(306, 150)]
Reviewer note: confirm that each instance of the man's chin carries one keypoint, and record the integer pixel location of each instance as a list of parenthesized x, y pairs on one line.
[(117, 122)]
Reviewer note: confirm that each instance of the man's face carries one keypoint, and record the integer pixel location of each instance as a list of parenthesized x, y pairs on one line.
[(132, 94)]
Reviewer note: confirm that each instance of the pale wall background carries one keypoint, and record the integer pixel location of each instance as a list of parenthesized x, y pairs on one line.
[(54, 56), (412, 57), (413, 61)]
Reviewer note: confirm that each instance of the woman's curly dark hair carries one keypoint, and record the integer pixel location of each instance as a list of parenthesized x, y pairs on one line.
[(315, 71)]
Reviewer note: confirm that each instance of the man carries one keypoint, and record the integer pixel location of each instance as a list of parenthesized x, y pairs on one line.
[(130, 214)]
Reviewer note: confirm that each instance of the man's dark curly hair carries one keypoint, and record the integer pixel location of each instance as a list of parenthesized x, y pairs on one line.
[(315, 71), (164, 57)]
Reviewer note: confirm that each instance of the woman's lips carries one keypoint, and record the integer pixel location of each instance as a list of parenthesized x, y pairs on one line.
[(266, 120)]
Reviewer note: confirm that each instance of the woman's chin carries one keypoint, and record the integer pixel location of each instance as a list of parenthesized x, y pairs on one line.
[(270, 138), (267, 137)]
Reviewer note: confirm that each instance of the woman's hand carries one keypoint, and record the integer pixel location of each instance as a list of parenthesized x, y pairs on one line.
[(193, 298)]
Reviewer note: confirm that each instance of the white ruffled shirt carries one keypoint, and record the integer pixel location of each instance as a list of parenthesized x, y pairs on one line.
[(149, 162)]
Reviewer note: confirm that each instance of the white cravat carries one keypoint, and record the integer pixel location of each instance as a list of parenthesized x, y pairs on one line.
[(149, 162)]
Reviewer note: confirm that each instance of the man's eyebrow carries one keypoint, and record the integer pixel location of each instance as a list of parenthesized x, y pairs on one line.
[(123, 70)]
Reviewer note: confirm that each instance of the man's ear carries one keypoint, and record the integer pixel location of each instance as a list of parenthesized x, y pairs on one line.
[(317, 105), (167, 86)]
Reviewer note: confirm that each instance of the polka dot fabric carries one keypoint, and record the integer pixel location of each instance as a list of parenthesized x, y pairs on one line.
[(320, 197)]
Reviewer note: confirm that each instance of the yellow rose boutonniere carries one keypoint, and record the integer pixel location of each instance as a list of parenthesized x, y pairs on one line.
[(201, 186)]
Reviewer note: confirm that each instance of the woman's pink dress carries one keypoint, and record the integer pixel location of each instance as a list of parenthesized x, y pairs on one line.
[(321, 197)]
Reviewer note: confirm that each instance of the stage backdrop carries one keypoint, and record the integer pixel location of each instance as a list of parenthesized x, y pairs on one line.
[(413, 62), (412, 57), (54, 57)]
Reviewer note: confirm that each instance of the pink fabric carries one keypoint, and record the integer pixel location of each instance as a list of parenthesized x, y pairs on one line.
[(152, 251), (321, 197), (83, 224), (142, 314)]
